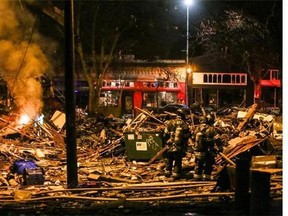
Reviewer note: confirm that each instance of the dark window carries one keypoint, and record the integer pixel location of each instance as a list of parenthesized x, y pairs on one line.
[(226, 78), (219, 78), (205, 78), (149, 99), (210, 78), (238, 79)]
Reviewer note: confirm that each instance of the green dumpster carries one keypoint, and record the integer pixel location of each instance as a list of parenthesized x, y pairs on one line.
[(143, 145)]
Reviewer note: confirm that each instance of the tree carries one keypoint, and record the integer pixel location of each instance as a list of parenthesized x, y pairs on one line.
[(242, 38), (97, 36), (105, 28)]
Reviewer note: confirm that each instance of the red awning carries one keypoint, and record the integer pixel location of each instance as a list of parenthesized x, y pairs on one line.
[(270, 83)]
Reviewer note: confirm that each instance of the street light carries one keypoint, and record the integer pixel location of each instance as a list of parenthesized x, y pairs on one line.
[(188, 3)]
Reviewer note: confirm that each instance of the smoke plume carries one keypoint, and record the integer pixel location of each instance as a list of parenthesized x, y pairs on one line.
[(22, 62)]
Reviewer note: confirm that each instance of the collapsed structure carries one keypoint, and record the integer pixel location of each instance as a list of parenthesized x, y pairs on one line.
[(112, 154)]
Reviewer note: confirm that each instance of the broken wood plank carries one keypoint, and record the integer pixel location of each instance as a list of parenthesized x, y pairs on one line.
[(240, 149), (93, 176), (157, 155), (135, 123), (111, 178), (227, 158), (149, 114), (247, 117)]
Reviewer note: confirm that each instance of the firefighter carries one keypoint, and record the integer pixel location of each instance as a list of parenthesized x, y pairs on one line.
[(176, 135), (207, 144)]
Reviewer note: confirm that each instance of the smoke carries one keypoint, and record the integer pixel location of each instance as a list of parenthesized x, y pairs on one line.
[(22, 61)]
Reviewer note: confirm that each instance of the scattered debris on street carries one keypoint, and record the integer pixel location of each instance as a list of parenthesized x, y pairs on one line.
[(111, 168)]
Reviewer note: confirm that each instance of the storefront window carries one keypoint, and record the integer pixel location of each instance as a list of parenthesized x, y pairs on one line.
[(109, 99), (167, 98), (158, 99), (149, 99)]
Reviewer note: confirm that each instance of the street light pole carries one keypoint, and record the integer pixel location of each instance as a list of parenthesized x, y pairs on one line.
[(188, 3)]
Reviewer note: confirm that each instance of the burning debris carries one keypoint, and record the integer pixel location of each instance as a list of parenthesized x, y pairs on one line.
[(23, 61)]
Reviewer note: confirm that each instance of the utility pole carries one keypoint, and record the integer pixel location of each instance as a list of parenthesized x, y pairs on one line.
[(71, 146)]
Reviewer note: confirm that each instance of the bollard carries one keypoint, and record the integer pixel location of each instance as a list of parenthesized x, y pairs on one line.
[(242, 185), (260, 193)]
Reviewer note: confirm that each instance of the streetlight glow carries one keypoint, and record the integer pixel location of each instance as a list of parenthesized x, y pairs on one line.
[(188, 2)]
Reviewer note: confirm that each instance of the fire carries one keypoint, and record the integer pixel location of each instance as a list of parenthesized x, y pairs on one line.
[(24, 119)]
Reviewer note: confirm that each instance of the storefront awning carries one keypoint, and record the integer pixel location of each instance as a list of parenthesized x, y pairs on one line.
[(270, 83)]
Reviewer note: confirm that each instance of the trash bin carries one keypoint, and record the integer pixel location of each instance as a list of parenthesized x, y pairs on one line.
[(142, 145)]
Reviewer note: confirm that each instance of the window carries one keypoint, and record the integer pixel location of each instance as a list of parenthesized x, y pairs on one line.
[(109, 99), (274, 74), (205, 78), (210, 78), (214, 78), (160, 99), (226, 78), (166, 98), (243, 80), (149, 99), (237, 78), (219, 78)]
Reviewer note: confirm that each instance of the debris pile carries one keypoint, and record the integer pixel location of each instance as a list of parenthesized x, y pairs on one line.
[(105, 163)]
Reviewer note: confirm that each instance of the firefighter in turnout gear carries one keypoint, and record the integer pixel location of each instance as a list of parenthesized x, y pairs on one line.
[(207, 144), (176, 135)]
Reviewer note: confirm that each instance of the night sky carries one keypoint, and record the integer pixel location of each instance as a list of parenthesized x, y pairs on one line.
[(159, 30)]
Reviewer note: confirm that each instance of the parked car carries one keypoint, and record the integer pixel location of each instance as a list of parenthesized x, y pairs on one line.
[(172, 108)]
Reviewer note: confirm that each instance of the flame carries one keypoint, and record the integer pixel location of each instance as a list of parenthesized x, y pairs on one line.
[(24, 119), (40, 119), (22, 61)]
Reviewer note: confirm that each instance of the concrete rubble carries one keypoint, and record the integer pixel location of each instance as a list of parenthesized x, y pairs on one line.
[(105, 173)]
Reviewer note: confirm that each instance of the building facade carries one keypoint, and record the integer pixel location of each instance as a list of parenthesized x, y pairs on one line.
[(220, 89), (141, 84), (137, 84)]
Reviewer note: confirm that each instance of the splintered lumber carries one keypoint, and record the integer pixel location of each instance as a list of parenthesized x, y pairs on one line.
[(241, 147), (149, 114), (268, 170), (139, 120), (111, 178), (247, 117), (157, 155), (10, 130), (94, 176), (227, 158), (135, 123)]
